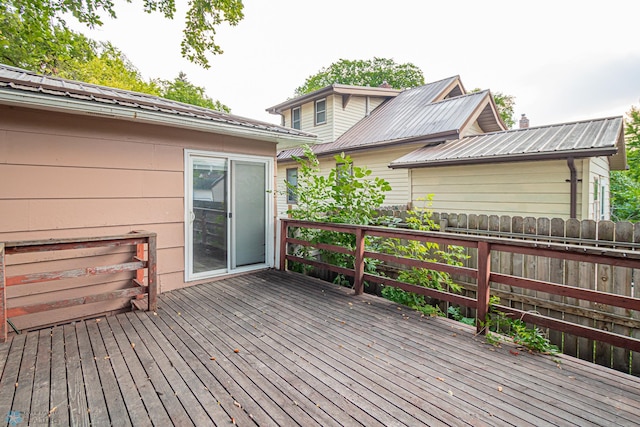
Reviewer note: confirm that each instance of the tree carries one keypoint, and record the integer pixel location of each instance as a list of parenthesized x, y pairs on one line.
[(180, 89), (373, 72), (625, 185), (108, 67), (505, 105), (35, 24)]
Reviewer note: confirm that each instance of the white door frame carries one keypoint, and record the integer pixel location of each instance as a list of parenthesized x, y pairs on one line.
[(189, 155)]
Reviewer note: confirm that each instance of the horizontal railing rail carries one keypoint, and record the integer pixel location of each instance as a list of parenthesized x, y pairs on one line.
[(144, 243), (481, 273)]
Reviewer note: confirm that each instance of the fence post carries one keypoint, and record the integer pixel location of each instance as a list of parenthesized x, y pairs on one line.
[(3, 296), (482, 298), (152, 276), (358, 284), (283, 244)]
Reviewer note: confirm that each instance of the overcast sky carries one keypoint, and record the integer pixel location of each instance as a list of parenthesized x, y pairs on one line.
[(562, 60)]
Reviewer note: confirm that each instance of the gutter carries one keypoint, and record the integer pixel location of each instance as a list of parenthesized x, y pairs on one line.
[(73, 106), (555, 155), (573, 185)]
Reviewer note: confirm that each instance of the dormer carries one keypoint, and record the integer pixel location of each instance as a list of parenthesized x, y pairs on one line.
[(332, 110)]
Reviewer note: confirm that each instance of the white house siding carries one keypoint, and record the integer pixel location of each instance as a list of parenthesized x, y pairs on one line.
[(538, 189), (474, 129), (597, 169)]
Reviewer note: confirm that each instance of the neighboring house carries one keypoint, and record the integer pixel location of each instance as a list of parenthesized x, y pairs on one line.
[(82, 160), (433, 113), (437, 139), (556, 171), (332, 110)]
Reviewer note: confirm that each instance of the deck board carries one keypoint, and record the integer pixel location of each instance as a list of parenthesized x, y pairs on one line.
[(281, 349)]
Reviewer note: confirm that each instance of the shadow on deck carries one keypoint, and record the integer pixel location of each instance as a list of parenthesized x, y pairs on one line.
[(274, 348)]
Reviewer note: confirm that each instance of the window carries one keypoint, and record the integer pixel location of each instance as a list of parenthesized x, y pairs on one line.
[(321, 111), (343, 169), (295, 118), (292, 180)]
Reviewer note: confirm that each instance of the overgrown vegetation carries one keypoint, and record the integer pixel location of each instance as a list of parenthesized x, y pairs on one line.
[(348, 194), (498, 325)]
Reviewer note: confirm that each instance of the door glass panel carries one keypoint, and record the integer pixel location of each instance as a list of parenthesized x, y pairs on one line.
[(209, 214), (249, 215)]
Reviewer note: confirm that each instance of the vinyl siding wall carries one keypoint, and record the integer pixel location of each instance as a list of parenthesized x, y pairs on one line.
[(598, 169), (538, 189), (77, 176), (378, 161)]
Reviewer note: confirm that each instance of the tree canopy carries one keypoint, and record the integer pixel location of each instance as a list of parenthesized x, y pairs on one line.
[(181, 90), (31, 29), (373, 72), (625, 185)]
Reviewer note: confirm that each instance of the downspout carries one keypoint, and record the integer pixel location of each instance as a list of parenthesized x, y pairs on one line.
[(573, 183)]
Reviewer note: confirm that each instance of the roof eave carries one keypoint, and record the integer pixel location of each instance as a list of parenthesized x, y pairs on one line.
[(72, 106), (556, 155), (334, 89)]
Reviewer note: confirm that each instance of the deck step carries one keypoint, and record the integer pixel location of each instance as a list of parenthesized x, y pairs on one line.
[(140, 303)]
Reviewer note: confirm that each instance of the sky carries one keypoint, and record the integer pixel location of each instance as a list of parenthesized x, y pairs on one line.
[(562, 60)]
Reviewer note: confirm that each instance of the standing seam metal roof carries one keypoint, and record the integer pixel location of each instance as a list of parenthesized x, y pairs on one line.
[(602, 136)]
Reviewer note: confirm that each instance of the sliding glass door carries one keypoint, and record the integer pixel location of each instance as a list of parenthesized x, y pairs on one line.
[(228, 211)]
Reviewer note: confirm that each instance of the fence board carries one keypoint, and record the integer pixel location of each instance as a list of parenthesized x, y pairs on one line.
[(529, 263), (635, 291), (556, 275), (604, 283), (622, 286), (572, 272)]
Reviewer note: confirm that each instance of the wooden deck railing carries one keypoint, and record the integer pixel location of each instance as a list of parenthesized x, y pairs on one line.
[(144, 242), (481, 275)]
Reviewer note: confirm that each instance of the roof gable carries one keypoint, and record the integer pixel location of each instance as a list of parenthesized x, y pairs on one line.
[(600, 137)]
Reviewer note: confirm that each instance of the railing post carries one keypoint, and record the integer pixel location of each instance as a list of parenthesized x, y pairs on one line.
[(3, 296), (358, 284), (152, 275), (483, 294), (283, 244)]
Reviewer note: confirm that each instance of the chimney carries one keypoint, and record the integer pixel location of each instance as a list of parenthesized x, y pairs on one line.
[(524, 122), (385, 85)]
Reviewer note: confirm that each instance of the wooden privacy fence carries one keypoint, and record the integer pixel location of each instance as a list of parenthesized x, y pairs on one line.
[(487, 281), (144, 260)]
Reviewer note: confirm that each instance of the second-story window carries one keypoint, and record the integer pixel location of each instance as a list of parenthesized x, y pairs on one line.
[(295, 118), (321, 111)]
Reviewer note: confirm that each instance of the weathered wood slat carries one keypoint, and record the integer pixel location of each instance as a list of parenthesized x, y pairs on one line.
[(78, 410), (135, 413), (37, 308), (96, 401), (71, 274), (150, 399), (58, 400), (40, 397), (115, 406)]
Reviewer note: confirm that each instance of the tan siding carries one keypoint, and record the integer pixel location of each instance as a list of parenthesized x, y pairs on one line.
[(345, 118), (474, 129), (526, 188), (598, 168), (68, 176)]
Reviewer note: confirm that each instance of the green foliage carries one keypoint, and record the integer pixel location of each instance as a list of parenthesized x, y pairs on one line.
[(34, 33), (181, 90), (419, 218), (531, 338), (373, 72), (456, 314), (348, 195), (108, 66), (625, 185)]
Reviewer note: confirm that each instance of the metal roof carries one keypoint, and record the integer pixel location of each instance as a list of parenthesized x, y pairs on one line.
[(413, 116), (599, 137), (16, 80)]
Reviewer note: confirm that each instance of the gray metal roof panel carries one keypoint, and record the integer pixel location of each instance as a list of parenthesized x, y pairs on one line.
[(12, 78), (566, 139)]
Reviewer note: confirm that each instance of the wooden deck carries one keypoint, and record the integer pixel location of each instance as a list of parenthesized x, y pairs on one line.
[(274, 348)]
